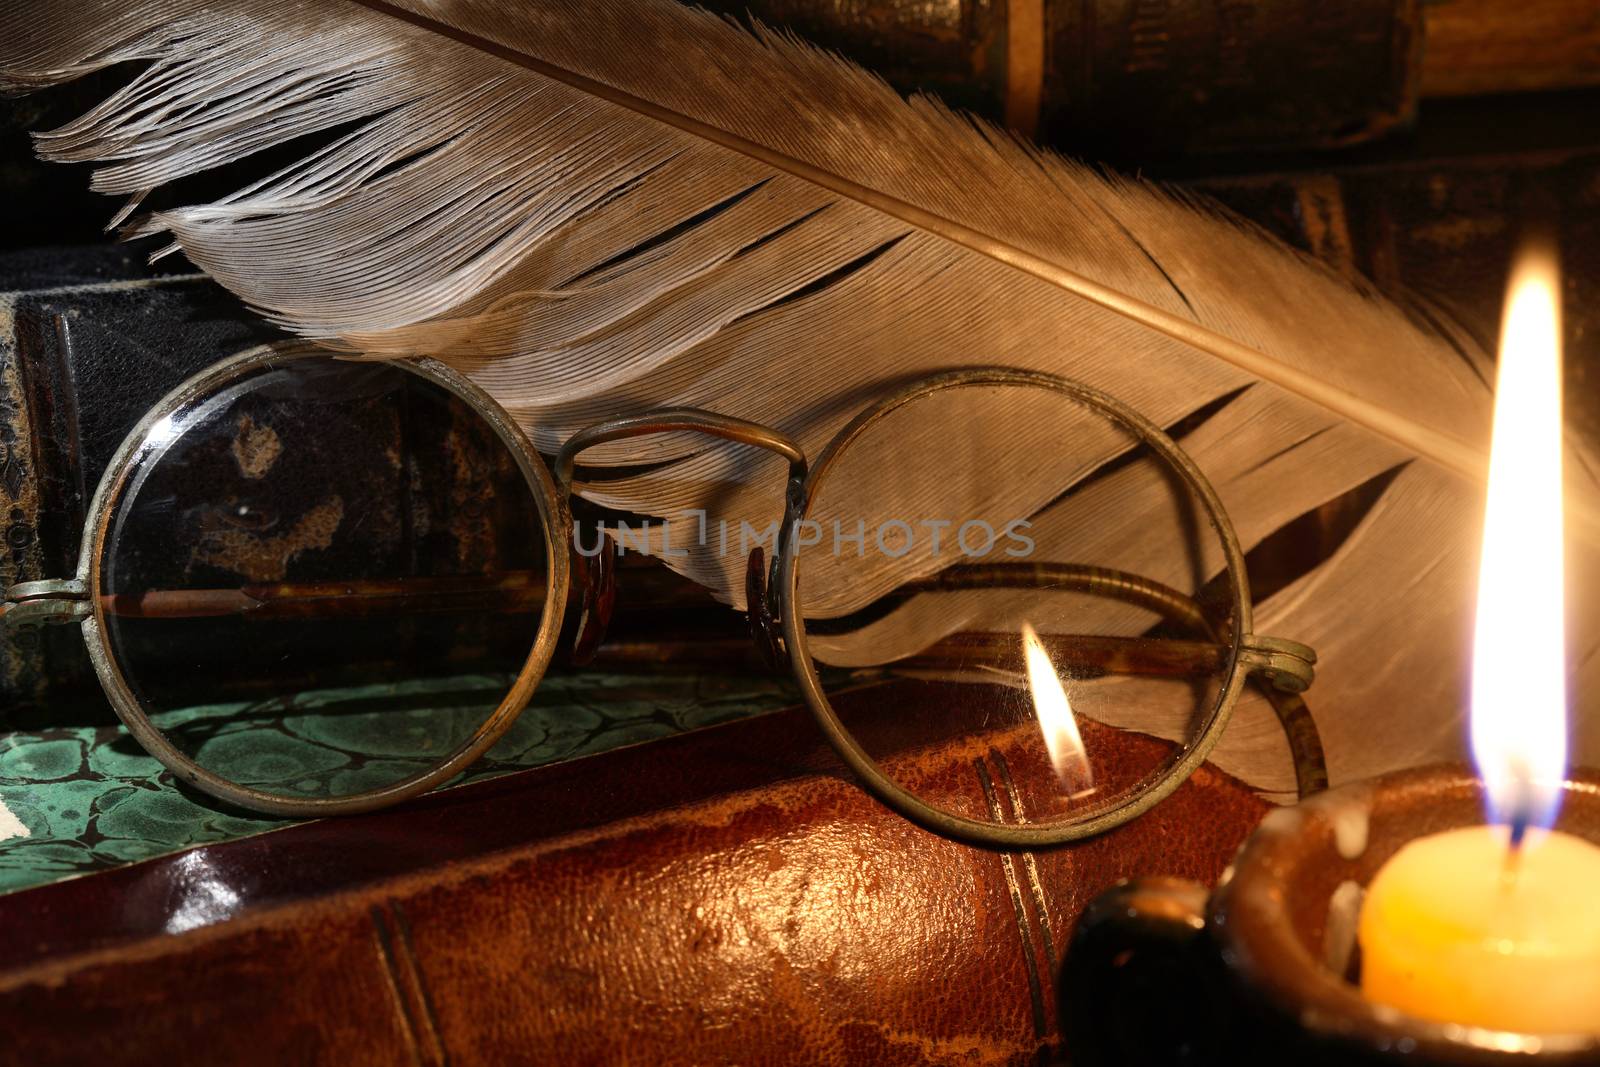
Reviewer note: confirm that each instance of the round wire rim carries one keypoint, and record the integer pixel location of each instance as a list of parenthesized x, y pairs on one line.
[(552, 512), (867, 768)]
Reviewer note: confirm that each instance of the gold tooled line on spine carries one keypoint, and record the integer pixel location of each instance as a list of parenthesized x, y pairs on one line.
[(429, 1016), (1030, 864), (391, 970), (1030, 959)]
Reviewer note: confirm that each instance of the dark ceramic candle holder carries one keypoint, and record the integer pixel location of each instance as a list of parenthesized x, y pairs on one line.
[(1261, 969)]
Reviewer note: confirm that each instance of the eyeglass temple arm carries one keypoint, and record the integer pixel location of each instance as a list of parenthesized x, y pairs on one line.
[(1281, 669), (1072, 578), (597, 577), (1288, 665), (45, 602)]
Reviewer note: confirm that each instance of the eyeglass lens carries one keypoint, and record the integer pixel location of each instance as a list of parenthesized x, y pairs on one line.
[(1017, 608), (322, 578)]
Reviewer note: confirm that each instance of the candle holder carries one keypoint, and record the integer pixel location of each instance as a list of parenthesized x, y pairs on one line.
[(1263, 968)]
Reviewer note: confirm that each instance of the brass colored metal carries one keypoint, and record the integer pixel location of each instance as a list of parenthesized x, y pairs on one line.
[(1280, 669), (552, 510), (42, 612), (891, 792), (1141, 592), (772, 594), (49, 588), (1305, 744), (40, 603), (1289, 665), (673, 420)]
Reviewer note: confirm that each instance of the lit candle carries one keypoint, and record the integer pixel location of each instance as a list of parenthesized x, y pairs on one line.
[(1497, 926)]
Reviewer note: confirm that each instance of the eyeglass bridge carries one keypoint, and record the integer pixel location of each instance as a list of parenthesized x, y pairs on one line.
[(596, 577), (50, 601)]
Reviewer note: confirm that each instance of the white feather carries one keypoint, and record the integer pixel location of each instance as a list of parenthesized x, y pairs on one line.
[(594, 208)]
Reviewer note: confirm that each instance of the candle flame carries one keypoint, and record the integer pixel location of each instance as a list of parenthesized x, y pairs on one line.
[(1060, 727), (1519, 698)]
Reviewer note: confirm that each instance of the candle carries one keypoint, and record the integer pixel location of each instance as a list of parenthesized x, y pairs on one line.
[(1449, 932), (1497, 926)]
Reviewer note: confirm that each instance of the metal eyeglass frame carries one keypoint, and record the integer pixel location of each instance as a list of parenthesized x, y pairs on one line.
[(773, 596)]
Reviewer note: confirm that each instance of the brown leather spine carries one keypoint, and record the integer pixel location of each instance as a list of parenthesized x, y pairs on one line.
[(1141, 76), (1133, 77), (1490, 46), (729, 896)]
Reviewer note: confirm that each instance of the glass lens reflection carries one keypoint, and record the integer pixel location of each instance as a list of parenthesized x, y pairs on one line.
[(1018, 608), (322, 578)]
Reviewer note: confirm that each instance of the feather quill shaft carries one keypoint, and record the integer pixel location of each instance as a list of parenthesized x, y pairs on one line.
[(1456, 454)]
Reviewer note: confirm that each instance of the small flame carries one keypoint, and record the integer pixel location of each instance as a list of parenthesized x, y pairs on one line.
[(1059, 725), (1519, 697)]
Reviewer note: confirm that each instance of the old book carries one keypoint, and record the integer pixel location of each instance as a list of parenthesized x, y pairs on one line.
[(729, 896), (1443, 230), (1130, 77), (90, 343), (1122, 78), (72, 324)]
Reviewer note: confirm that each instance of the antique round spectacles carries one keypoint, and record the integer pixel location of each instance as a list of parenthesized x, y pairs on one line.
[(311, 586)]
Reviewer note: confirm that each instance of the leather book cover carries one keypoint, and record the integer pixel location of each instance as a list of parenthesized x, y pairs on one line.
[(726, 896)]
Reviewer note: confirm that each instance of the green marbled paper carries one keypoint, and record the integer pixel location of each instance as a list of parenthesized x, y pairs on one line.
[(90, 798)]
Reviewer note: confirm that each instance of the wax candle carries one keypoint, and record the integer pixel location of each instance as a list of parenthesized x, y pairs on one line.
[(1456, 929), (1493, 926)]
